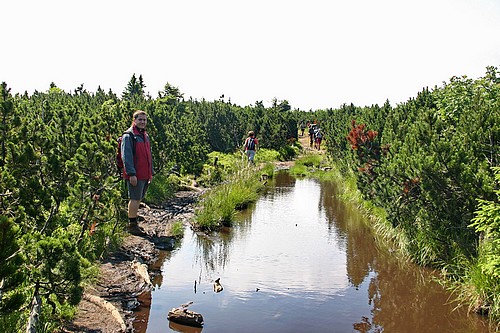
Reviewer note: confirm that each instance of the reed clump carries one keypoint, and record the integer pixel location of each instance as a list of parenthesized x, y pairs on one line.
[(238, 186), (307, 164)]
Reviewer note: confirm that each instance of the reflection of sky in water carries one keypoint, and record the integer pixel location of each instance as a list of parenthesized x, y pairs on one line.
[(288, 236), (314, 265)]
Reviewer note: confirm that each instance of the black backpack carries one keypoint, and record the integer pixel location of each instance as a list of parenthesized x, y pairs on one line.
[(119, 160), (251, 144)]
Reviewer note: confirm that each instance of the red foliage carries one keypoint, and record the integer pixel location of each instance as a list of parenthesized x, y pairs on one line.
[(358, 136), (92, 228), (411, 185), (368, 150)]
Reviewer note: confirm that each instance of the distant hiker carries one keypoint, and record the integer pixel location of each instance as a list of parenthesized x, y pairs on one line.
[(250, 146), (318, 135), (311, 129), (302, 128), (138, 164)]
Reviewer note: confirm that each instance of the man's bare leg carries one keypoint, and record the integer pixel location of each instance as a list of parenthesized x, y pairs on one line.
[(133, 208)]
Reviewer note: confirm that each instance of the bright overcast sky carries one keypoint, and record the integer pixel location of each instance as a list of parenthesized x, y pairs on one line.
[(316, 54)]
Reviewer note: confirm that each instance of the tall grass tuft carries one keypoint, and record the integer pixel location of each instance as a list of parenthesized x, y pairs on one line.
[(311, 160), (299, 170), (218, 206), (474, 287), (177, 229), (267, 170), (471, 287), (305, 165), (163, 187)]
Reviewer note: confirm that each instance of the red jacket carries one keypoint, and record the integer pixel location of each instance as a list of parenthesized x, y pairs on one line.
[(139, 164)]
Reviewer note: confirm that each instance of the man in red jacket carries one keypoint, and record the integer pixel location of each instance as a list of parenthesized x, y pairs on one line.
[(138, 163)]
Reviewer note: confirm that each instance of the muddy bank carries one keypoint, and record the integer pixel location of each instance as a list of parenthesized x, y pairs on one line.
[(107, 306)]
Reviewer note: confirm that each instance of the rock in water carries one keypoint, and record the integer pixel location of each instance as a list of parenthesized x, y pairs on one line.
[(186, 317)]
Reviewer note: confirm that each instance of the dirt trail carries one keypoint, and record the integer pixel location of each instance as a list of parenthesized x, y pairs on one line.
[(307, 149)]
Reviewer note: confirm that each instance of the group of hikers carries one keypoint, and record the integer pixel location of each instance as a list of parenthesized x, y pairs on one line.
[(135, 161), (315, 133)]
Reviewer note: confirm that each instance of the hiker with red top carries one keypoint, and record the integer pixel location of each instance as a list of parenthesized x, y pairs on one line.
[(318, 135), (250, 146), (137, 162), (312, 139)]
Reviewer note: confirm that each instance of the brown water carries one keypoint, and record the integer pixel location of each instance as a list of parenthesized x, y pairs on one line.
[(299, 261)]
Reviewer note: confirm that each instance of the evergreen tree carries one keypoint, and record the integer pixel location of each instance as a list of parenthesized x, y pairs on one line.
[(134, 90), (170, 94)]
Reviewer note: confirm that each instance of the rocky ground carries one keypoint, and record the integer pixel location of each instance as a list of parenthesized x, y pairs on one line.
[(107, 306)]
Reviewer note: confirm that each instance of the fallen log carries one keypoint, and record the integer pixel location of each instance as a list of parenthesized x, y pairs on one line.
[(142, 271), (190, 188), (183, 316), (109, 307)]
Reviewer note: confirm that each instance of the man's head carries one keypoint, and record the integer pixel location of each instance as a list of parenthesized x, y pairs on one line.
[(140, 119), (251, 134)]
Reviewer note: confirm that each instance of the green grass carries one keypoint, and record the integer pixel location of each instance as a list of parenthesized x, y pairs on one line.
[(473, 287), (218, 206), (264, 155), (311, 160), (163, 187), (299, 170), (307, 164), (267, 170), (177, 229)]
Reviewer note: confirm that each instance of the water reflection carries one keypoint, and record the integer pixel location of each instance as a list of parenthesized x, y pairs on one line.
[(360, 248), (183, 328), (212, 252), (300, 260)]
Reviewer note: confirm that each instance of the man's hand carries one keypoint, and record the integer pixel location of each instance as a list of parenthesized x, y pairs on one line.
[(133, 180)]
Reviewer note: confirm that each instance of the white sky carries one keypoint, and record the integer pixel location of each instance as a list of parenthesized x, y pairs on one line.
[(315, 53)]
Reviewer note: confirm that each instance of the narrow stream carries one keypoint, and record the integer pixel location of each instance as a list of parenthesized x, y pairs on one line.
[(299, 261)]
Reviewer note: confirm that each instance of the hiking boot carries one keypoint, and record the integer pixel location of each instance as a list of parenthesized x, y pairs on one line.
[(134, 229)]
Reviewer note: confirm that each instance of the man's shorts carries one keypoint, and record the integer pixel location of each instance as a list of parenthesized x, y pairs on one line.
[(250, 154), (139, 191)]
